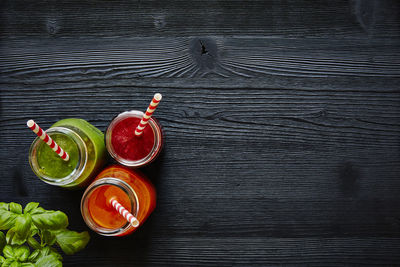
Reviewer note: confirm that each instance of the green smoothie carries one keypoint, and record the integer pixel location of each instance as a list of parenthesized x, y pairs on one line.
[(85, 146), (51, 164)]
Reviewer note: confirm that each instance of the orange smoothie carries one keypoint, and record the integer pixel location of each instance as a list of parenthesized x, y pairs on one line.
[(130, 188)]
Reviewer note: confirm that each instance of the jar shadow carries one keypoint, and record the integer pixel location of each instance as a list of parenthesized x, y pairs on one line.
[(154, 170)]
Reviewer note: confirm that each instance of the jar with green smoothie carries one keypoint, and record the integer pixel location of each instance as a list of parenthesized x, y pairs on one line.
[(84, 144)]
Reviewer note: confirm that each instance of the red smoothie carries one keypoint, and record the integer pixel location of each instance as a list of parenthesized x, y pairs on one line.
[(129, 146), (126, 147)]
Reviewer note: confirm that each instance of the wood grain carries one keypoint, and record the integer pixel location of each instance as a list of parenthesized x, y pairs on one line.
[(199, 57), (338, 19), (282, 123), (315, 140), (255, 252)]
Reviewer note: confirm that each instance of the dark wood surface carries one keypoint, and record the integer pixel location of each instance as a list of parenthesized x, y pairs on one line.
[(282, 123)]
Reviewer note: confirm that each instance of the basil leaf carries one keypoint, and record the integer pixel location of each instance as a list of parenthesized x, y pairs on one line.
[(15, 208), (27, 264), (21, 253), (15, 264), (2, 259), (49, 251), (31, 206), (70, 241), (3, 241), (53, 220), (54, 252), (33, 243), (48, 237), (49, 261), (13, 238), (33, 230), (8, 252), (45, 251), (34, 255), (8, 263), (23, 225), (7, 218), (40, 253), (38, 210)]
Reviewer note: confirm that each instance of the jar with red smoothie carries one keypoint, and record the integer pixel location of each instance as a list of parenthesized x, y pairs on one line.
[(130, 188), (127, 148)]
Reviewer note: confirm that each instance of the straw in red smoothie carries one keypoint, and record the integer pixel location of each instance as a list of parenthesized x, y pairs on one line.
[(149, 112)]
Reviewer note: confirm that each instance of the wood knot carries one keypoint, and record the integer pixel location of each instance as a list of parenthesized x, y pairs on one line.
[(204, 52), (52, 26), (159, 22)]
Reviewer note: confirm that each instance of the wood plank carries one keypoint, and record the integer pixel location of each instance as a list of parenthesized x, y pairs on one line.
[(310, 161), (357, 18), (282, 123), (183, 251), (129, 58)]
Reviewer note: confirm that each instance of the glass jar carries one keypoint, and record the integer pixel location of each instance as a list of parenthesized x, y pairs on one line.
[(130, 188), (85, 146), (127, 148)]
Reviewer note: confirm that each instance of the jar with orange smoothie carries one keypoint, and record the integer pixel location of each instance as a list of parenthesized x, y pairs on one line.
[(130, 188)]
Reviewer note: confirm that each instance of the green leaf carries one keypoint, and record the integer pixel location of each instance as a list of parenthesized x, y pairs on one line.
[(21, 253), (15, 264), (33, 243), (7, 217), (34, 255), (8, 252), (49, 261), (45, 251), (27, 264), (13, 238), (8, 263), (23, 225), (54, 252), (38, 210), (2, 259), (3, 241), (31, 206), (34, 230), (53, 220), (15, 208), (48, 237), (71, 242)]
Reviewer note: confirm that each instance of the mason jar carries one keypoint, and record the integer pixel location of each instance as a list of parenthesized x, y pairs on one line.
[(130, 188), (127, 148), (84, 144)]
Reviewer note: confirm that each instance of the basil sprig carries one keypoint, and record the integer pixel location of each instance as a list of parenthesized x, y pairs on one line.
[(32, 233)]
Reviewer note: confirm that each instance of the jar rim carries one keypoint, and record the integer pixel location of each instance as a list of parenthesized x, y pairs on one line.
[(82, 157), (157, 132), (85, 207)]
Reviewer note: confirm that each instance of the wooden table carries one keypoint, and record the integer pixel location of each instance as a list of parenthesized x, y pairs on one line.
[(282, 123)]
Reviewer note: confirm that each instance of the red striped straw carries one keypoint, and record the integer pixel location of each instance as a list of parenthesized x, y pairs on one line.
[(146, 117), (47, 139), (124, 212)]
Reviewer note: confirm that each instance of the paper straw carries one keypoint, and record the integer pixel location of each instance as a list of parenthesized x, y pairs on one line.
[(124, 212), (47, 139), (146, 117)]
